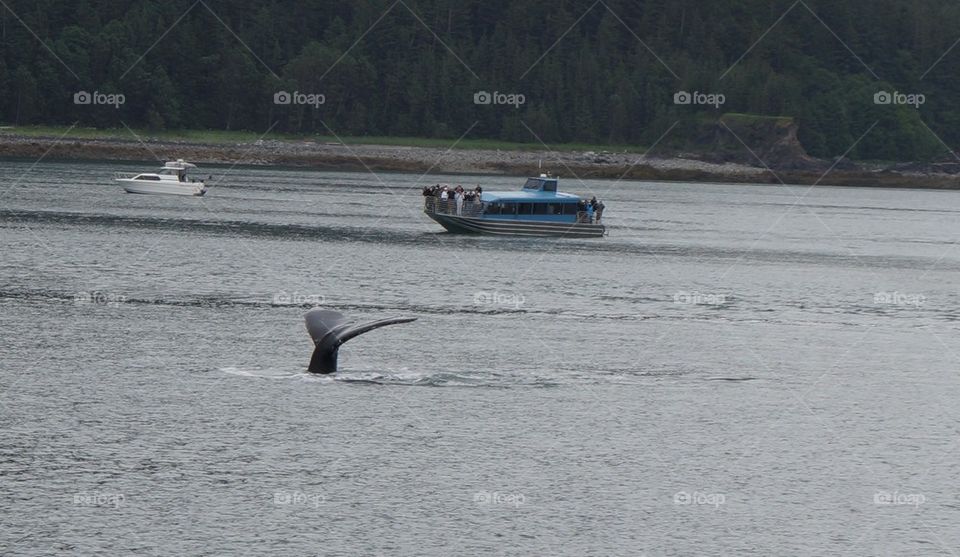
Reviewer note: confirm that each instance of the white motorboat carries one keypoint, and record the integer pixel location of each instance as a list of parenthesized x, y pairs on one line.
[(170, 180)]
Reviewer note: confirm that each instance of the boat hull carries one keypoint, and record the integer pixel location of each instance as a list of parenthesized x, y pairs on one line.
[(473, 225), (188, 189)]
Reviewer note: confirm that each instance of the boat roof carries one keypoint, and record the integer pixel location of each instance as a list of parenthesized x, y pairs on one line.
[(530, 196), (537, 189), (179, 164)]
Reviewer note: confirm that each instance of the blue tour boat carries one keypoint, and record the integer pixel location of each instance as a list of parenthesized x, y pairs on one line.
[(538, 209)]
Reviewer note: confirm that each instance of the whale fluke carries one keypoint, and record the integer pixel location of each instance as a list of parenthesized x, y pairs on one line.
[(329, 329)]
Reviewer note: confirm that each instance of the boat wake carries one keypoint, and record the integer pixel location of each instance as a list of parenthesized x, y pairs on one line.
[(401, 377), (406, 377), (261, 373)]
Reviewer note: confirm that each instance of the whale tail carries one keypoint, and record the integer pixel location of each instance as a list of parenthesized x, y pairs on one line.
[(329, 329)]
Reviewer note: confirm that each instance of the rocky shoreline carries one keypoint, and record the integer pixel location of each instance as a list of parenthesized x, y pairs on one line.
[(583, 164)]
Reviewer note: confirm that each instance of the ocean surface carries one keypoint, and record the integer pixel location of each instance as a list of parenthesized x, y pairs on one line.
[(734, 370)]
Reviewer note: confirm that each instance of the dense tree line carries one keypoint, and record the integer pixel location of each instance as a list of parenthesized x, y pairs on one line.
[(598, 72)]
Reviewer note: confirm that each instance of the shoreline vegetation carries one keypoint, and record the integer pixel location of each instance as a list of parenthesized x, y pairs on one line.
[(763, 164)]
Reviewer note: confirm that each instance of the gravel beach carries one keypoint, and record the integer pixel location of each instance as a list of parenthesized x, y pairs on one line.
[(427, 160)]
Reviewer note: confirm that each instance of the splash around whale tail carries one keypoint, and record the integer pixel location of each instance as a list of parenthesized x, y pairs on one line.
[(329, 329)]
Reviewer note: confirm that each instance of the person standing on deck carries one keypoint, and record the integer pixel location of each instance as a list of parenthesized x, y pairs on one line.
[(444, 199), (459, 199)]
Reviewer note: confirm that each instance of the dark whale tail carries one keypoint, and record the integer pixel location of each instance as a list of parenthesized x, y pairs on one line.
[(329, 329)]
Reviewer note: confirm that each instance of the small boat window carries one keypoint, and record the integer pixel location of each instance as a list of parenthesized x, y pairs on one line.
[(569, 209), (146, 177), (532, 184), (526, 209), (546, 209), (501, 209)]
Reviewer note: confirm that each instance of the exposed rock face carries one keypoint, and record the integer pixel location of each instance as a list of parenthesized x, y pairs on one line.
[(946, 167), (758, 141)]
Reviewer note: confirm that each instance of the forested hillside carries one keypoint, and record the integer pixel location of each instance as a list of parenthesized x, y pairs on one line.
[(588, 71)]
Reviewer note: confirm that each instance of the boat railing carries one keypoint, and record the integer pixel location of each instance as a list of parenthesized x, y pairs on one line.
[(584, 217), (436, 206)]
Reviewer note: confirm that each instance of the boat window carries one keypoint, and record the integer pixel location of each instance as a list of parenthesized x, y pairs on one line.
[(525, 209), (146, 177), (532, 184), (546, 209), (501, 208), (549, 185), (569, 209)]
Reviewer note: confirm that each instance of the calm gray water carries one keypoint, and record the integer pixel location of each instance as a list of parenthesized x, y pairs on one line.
[(735, 370)]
